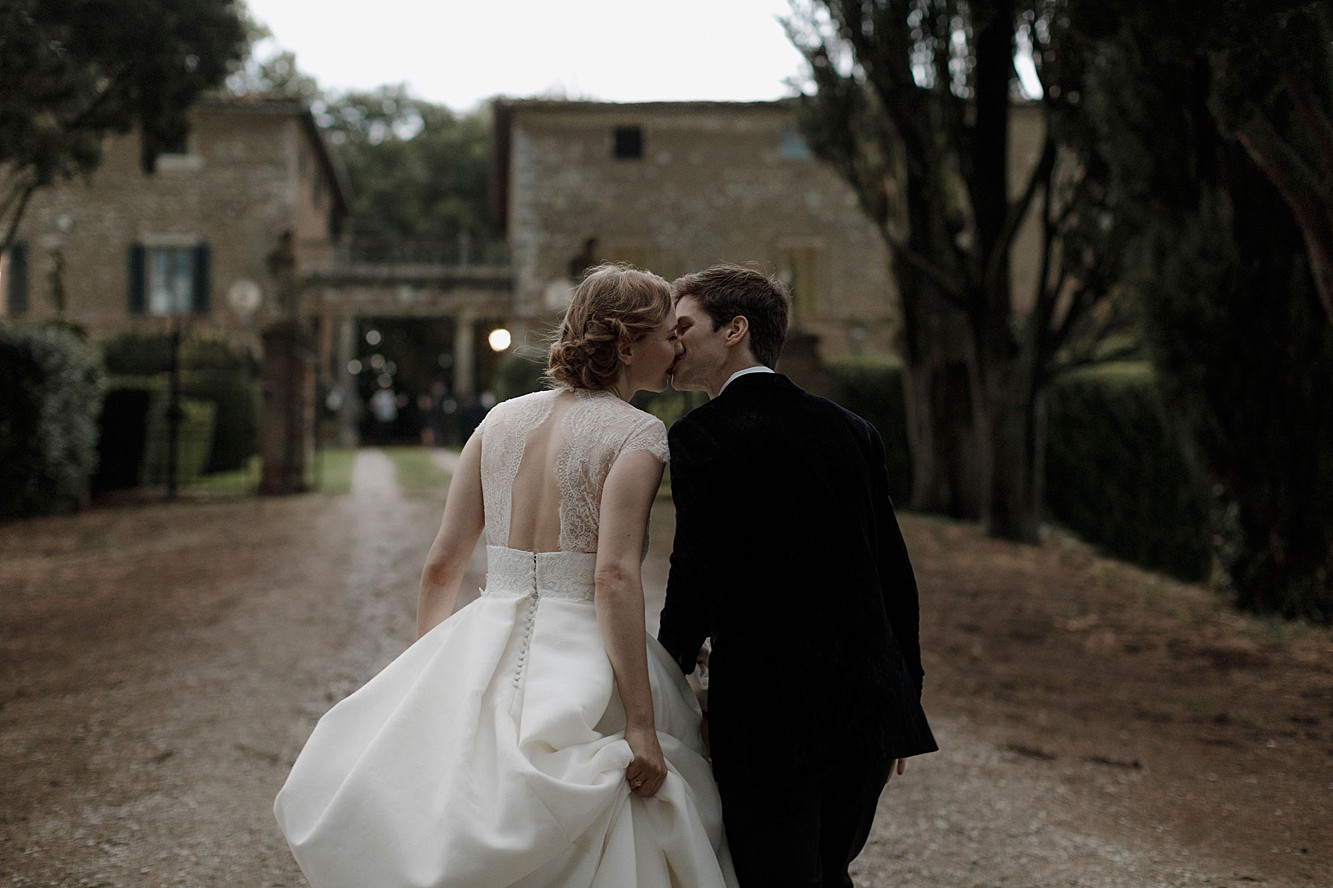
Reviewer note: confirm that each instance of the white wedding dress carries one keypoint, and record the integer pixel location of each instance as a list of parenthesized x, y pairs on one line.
[(492, 751)]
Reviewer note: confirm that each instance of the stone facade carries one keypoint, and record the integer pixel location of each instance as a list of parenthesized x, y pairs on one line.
[(674, 187), (195, 238), (668, 186)]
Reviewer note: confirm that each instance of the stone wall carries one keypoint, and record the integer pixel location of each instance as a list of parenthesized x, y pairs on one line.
[(714, 182)]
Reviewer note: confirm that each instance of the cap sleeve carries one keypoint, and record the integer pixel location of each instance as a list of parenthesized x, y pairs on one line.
[(650, 435)]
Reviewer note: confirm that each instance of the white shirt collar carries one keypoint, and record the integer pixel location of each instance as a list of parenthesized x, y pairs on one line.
[(759, 369)]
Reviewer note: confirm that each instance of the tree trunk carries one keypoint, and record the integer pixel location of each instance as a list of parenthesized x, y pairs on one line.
[(941, 424), (1014, 453), (1007, 403), (946, 463)]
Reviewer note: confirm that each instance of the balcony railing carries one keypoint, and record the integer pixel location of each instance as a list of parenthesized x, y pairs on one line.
[(464, 251)]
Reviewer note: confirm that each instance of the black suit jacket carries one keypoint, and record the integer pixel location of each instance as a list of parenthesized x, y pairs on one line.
[(788, 554)]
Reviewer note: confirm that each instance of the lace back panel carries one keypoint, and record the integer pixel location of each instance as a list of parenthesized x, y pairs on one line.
[(545, 458)]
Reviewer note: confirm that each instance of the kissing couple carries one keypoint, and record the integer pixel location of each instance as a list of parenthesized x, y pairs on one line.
[(538, 736)]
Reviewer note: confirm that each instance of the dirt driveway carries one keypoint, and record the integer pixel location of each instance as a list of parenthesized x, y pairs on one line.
[(160, 666)]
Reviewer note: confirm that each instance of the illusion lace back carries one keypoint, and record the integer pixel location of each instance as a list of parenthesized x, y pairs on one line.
[(491, 753), (545, 458)]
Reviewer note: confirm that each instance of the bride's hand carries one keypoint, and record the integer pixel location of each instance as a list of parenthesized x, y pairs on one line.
[(647, 770)]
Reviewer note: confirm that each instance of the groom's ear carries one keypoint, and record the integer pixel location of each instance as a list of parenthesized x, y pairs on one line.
[(737, 329)]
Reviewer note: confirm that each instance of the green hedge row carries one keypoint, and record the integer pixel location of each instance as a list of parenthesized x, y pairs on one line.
[(517, 375), (212, 370), (874, 391), (133, 440), (1115, 471), (194, 442), (50, 397)]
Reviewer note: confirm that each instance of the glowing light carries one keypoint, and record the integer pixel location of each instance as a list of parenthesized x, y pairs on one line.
[(373, 337), (354, 366), (499, 339)]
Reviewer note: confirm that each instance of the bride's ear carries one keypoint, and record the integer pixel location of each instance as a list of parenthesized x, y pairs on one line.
[(625, 352)]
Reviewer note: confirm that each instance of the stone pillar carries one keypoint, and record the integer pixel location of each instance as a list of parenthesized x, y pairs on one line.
[(287, 428), (344, 383), (465, 359), (287, 433)]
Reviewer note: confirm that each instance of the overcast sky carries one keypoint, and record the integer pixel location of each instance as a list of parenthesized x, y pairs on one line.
[(460, 52)]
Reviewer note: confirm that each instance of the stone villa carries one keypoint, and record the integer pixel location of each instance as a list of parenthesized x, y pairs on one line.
[(192, 243), (667, 186)]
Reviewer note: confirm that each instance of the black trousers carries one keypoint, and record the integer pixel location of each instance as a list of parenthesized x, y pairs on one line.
[(803, 829)]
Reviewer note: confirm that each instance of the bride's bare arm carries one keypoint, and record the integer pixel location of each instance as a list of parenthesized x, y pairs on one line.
[(447, 561), (627, 498)]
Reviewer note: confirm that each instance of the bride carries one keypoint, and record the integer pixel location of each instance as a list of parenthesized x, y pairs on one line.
[(538, 737)]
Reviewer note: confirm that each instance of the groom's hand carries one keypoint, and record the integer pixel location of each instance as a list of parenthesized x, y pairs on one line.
[(896, 767)]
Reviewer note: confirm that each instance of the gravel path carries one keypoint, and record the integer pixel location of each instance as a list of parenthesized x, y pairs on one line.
[(154, 693), (977, 816)]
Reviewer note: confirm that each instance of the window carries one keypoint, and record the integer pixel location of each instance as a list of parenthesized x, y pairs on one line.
[(169, 279), (14, 279), (798, 273), (175, 156), (629, 142)]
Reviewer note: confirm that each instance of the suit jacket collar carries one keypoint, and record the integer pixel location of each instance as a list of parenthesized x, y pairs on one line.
[(753, 383)]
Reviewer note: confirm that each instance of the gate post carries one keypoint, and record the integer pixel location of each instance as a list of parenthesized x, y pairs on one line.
[(287, 433)]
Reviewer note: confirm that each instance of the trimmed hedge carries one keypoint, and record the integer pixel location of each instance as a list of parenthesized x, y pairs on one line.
[(1115, 470), (228, 376), (194, 441), (212, 370), (122, 433), (1116, 474), (669, 405), (50, 397), (137, 354), (133, 440), (874, 391), (518, 375)]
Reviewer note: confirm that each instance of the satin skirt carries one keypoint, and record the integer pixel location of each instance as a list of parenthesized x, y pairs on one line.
[(491, 753)]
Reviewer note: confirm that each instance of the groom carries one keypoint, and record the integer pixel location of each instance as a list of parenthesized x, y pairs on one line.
[(788, 555)]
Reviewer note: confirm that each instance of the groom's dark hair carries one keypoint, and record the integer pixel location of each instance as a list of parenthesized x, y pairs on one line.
[(725, 292)]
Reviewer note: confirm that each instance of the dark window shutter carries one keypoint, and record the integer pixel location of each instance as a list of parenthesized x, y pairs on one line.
[(18, 279), (137, 279), (202, 279)]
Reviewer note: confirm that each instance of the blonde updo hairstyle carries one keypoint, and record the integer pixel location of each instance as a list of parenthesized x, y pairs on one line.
[(613, 306)]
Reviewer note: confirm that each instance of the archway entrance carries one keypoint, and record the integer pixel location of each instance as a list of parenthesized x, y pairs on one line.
[(430, 325)]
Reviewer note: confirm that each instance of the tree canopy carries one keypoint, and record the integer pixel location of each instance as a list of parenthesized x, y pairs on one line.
[(1224, 265), (72, 71), (912, 101), (420, 174), (1185, 184)]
